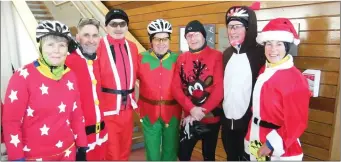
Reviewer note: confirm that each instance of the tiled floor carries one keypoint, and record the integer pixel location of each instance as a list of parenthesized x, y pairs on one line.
[(139, 155)]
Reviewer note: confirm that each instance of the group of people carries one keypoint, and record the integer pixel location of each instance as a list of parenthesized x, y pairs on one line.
[(76, 101)]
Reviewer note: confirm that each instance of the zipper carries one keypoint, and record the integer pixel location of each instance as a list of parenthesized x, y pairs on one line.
[(232, 124), (160, 86), (238, 48), (125, 74)]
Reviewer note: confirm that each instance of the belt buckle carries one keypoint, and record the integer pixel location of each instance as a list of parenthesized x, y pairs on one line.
[(258, 120), (161, 102), (98, 127)]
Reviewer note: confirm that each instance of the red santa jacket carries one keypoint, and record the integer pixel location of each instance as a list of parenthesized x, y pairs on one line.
[(117, 60), (41, 117), (87, 78), (155, 97), (198, 81), (281, 97)]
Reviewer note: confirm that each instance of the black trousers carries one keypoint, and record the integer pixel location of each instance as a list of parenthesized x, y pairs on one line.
[(209, 143), (233, 140), (246, 157)]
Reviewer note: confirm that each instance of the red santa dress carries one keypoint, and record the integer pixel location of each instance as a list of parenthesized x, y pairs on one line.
[(280, 111)]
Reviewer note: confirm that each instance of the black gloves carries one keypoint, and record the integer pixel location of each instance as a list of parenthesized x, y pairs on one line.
[(197, 130), (81, 153)]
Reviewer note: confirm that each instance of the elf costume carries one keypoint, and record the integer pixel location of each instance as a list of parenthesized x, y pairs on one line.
[(87, 73), (159, 112), (280, 101)]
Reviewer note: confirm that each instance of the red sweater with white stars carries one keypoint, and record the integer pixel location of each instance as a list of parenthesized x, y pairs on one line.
[(198, 81), (41, 116)]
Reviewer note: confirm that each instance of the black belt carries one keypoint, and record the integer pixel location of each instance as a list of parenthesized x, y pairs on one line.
[(123, 92), (94, 128), (265, 124)]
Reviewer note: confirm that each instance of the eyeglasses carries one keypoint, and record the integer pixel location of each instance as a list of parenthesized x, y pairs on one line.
[(115, 24), (193, 35), (235, 27), (85, 21), (159, 40)]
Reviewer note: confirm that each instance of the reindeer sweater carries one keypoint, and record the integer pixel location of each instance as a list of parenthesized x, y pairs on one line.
[(198, 81)]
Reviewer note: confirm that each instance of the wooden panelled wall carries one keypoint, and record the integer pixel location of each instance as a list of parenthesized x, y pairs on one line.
[(319, 49), (126, 5)]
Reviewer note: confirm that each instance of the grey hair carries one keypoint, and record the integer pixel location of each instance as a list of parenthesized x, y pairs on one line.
[(54, 37), (85, 22)]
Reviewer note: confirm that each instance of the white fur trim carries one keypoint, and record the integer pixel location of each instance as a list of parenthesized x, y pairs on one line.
[(276, 142), (116, 78), (276, 35), (296, 41), (90, 69), (254, 129), (98, 142), (131, 84), (246, 146)]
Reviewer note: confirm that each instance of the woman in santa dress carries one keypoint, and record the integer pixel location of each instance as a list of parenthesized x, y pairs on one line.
[(280, 99), (41, 116)]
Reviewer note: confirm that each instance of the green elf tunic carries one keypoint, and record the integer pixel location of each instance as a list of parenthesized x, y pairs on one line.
[(160, 113)]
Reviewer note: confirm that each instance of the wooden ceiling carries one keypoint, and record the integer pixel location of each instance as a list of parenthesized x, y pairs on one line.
[(126, 5)]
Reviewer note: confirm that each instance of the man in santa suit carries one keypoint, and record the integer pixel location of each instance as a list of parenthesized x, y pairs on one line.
[(280, 98), (81, 61), (41, 119), (117, 58)]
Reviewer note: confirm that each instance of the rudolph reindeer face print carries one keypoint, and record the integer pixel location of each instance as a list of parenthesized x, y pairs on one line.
[(194, 82)]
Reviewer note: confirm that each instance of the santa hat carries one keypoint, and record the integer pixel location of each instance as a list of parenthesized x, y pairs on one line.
[(280, 29)]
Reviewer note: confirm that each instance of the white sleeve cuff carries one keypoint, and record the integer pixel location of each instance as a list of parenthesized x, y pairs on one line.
[(133, 103), (276, 142)]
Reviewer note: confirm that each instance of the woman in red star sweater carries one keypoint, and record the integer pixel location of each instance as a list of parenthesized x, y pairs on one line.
[(41, 116), (198, 88)]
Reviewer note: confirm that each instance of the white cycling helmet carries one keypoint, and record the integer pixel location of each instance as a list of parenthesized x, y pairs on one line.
[(48, 27), (159, 26)]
